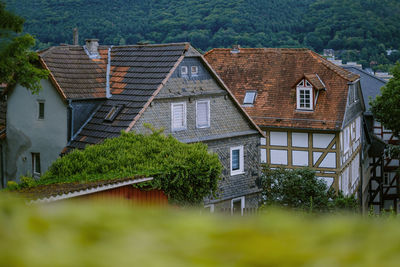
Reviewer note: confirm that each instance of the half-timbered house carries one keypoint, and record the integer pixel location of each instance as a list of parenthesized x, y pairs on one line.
[(310, 109)]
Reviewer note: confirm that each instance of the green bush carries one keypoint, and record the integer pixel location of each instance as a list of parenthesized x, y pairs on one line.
[(108, 234), (185, 172)]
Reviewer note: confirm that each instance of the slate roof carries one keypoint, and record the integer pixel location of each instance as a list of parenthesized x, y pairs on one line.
[(273, 73), (370, 84), (73, 73), (137, 73)]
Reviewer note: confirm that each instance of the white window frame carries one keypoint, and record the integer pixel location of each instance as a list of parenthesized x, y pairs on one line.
[(184, 71), (242, 204), (306, 88), (196, 72), (346, 139), (184, 117), (241, 160), (253, 98), (208, 114)]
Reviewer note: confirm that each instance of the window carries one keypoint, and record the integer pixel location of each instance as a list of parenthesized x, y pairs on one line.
[(304, 96), (178, 114), (194, 70), (36, 164), (184, 70), (41, 110), (249, 98), (237, 160), (237, 205), (386, 178), (203, 114), (114, 111)]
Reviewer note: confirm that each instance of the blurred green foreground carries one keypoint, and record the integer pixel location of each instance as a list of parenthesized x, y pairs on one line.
[(100, 234)]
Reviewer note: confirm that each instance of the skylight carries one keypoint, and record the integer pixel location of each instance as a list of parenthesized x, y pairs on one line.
[(249, 98), (114, 111)]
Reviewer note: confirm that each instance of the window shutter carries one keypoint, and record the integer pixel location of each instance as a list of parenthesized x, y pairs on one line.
[(178, 116), (202, 114)]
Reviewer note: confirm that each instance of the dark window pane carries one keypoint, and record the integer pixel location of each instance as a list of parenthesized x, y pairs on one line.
[(235, 159), (41, 110)]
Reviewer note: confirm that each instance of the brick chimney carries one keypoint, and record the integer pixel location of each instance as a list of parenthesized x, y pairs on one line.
[(75, 37), (91, 48)]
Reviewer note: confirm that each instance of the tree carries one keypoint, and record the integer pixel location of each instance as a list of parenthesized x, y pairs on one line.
[(16, 60), (297, 189), (386, 107)]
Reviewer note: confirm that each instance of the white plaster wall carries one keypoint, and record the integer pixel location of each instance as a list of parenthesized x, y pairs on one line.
[(329, 161), (278, 156), (322, 140), (300, 139), (316, 156), (300, 158), (278, 138), (263, 155), (328, 180), (27, 134)]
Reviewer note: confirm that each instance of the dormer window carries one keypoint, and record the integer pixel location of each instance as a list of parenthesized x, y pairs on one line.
[(304, 94), (249, 98)]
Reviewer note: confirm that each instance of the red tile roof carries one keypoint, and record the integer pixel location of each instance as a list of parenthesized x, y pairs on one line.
[(274, 73), (73, 73)]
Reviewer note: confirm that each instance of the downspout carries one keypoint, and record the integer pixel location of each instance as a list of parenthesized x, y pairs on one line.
[(3, 182), (108, 94), (71, 120)]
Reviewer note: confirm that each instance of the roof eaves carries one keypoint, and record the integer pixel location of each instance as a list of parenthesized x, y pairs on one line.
[(88, 191), (53, 80)]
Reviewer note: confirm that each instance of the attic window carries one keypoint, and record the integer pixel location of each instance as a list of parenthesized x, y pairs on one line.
[(184, 70), (114, 111), (194, 70), (249, 98), (304, 95)]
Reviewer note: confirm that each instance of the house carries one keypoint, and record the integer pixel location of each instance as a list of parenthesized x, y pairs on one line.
[(381, 190), (310, 109), (109, 89), (40, 125)]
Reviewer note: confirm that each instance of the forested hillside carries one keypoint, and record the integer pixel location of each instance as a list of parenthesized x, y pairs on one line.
[(364, 28)]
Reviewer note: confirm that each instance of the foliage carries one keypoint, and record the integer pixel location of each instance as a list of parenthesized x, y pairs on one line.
[(366, 29), (296, 189), (342, 203), (110, 234), (386, 107), (185, 172), (16, 61)]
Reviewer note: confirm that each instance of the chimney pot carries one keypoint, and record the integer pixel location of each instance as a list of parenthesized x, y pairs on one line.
[(92, 46)]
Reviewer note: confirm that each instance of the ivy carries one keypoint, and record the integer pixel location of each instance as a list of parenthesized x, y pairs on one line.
[(185, 172)]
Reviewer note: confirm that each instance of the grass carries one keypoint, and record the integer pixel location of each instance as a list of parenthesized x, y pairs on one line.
[(111, 234)]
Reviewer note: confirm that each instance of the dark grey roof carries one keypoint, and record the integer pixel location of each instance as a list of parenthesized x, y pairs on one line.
[(136, 73), (370, 84)]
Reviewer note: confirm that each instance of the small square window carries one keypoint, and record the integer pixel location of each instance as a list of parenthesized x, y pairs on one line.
[(249, 98), (41, 110), (36, 164), (194, 70), (184, 70), (113, 113), (237, 160)]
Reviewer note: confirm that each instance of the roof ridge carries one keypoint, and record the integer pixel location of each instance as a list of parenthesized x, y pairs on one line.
[(152, 45), (332, 66), (367, 73)]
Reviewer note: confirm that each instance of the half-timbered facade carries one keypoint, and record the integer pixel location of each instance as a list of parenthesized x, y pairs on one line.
[(310, 109)]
